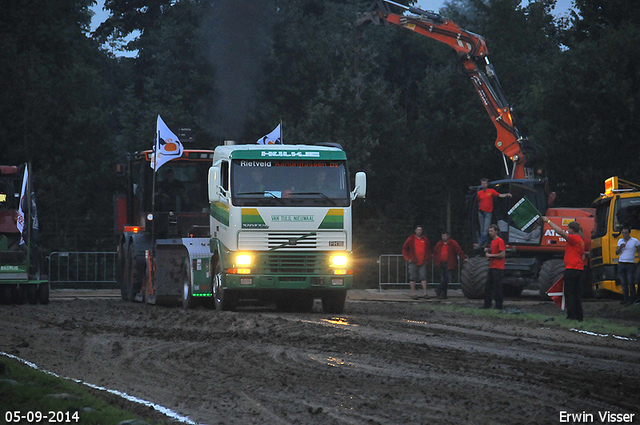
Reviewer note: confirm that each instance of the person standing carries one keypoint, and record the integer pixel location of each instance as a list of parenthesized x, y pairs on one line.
[(574, 255), (417, 251), (485, 208), (496, 255), (627, 249), (445, 255)]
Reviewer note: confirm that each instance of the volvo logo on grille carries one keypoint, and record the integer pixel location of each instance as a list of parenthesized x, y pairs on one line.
[(293, 241)]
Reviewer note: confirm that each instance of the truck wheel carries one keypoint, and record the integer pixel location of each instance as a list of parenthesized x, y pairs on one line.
[(473, 277), (222, 299), (333, 302), (188, 301), (43, 293), (550, 272), (32, 294)]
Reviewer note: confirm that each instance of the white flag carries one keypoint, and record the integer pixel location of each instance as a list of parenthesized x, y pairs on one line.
[(167, 146), (273, 138), (21, 213)]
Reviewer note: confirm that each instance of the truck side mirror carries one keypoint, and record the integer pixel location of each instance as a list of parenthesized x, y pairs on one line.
[(214, 183), (360, 191)]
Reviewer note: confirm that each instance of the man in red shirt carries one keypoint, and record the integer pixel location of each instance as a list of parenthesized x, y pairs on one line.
[(445, 256), (574, 256), (485, 208), (417, 251), (496, 255)]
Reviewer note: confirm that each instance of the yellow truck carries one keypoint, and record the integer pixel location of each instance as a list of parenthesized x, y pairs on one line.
[(619, 205)]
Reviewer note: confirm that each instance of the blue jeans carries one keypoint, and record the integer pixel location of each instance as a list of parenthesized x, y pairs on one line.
[(485, 221), (626, 274)]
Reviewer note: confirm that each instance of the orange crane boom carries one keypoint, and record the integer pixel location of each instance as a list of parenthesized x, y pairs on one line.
[(474, 61)]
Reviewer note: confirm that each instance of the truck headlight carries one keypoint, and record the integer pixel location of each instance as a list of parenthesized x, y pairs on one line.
[(243, 260), (339, 260)]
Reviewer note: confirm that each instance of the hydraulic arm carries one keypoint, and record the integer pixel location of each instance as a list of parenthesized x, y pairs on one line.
[(474, 61)]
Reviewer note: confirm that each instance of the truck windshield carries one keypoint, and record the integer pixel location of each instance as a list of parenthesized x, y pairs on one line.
[(627, 212), (292, 183)]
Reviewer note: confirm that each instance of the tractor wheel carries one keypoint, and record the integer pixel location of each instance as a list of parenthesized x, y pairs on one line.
[(188, 300), (32, 294), (223, 299), (333, 302), (5, 294), (473, 277), (550, 272), (43, 293), (122, 271), (18, 294)]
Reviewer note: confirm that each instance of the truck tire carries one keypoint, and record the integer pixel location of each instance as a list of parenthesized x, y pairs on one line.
[(188, 300), (473, 277), (43, 293), (333, 302), (550, 272), (223, 299)]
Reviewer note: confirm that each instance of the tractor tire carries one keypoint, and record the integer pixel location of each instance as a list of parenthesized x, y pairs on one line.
[(122, 272), (5, 294), (550, 272), (135, 275), (474, 277), (18, 294), (333, 302), (223, 299), (32, 294), (43, 293), (188, 301)]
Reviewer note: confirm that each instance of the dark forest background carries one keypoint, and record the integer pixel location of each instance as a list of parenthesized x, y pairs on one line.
[(234, 69)]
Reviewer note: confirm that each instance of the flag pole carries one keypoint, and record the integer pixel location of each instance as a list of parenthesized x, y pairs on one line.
[(281, 133)]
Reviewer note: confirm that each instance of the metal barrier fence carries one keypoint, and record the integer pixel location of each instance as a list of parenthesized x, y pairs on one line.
[(82, 269), (393, 270)]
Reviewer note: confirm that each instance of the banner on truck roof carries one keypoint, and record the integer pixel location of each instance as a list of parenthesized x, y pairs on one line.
[(273, 138), (166, 147)]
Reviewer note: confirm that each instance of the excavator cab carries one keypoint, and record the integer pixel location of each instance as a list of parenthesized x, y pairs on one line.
[(535, 191)]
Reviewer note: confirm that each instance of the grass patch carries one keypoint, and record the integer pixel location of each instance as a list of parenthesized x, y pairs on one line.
[(594, 325), (25, 389)]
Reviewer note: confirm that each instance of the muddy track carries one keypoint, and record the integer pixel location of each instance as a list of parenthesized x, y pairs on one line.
[(379, 363)]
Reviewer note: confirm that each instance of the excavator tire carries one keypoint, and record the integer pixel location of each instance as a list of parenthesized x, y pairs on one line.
[(473, 277), (550, 272)]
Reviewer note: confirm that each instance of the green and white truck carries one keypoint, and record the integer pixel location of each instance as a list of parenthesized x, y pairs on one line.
[(280, 226)]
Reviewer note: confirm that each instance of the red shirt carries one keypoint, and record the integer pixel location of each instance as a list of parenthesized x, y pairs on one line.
[(485, 198), (573, 253), (409, 251), (448, 252), (497, 245)]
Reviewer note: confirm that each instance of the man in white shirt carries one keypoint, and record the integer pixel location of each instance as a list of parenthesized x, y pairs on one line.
[(627, 248)]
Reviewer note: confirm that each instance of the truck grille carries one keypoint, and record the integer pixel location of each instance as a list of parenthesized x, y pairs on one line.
[(293, 264), (292, 241)]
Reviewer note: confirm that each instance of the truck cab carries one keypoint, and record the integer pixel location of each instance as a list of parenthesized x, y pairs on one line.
[(281, 227)]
